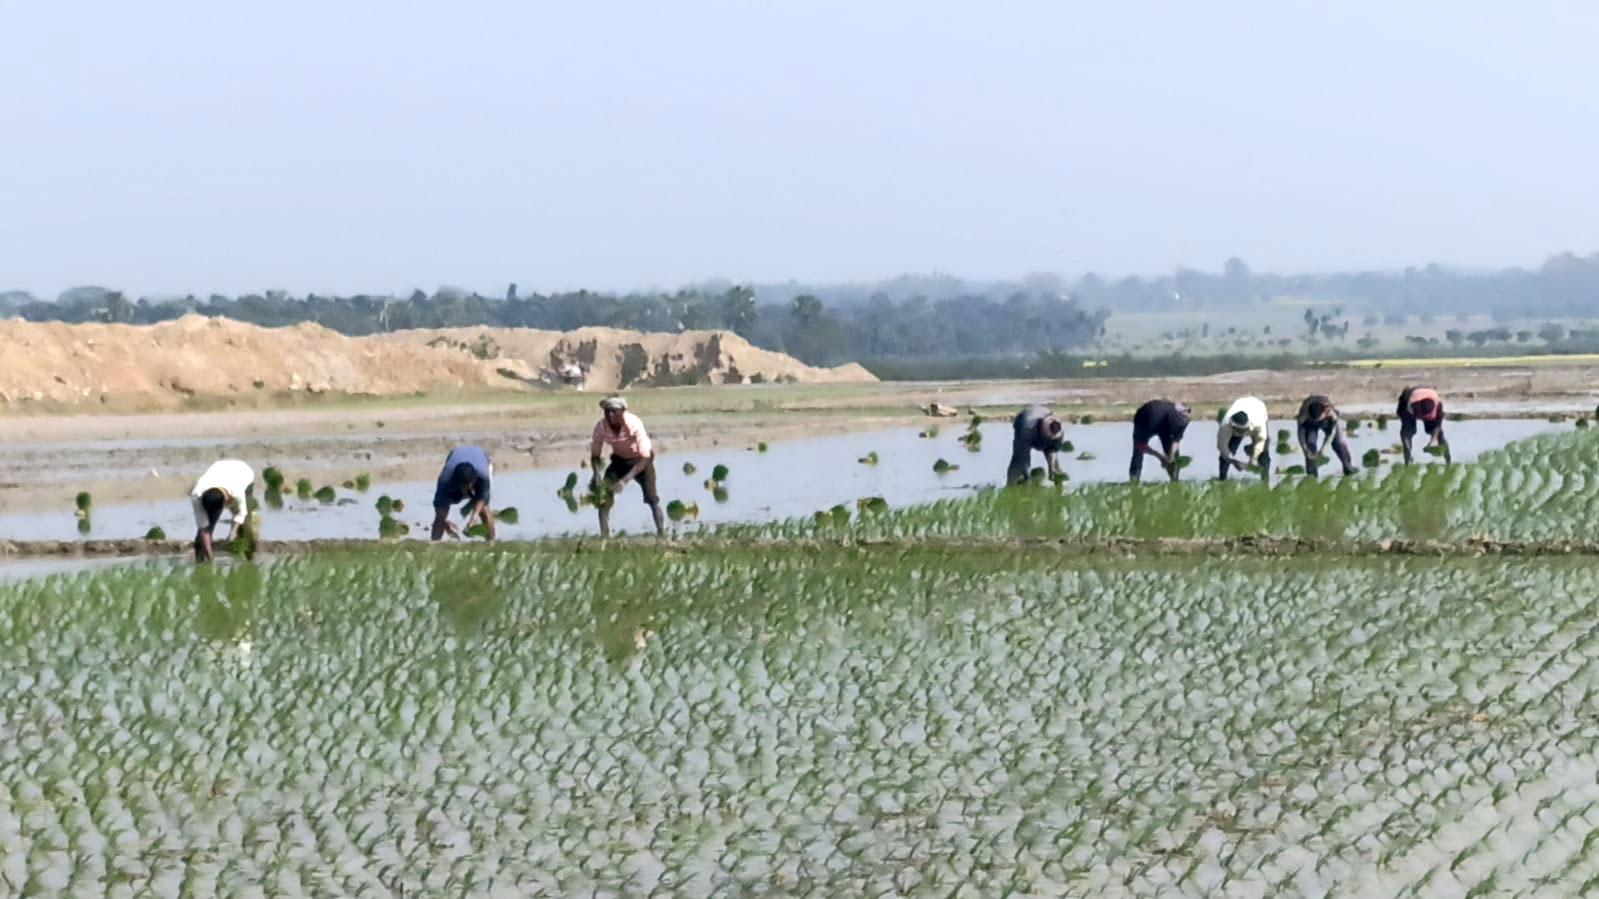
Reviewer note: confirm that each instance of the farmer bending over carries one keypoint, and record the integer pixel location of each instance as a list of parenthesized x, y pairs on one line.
[(1318, 420), (467, 476), (223, 486), (1161, 419), (1245, 420), (1422, 404), (1036, 428), (632, 458)]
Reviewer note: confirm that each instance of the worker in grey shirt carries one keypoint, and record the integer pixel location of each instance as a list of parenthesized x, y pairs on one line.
[(1036, 428), (1320, 426)]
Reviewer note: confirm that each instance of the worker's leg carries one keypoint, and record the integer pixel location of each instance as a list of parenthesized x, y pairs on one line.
[(1166, 447), (1340, 445), (1407, 435), (646, 482), (1310, 444), (1135, 470), (1232, 453), (1265, 461)]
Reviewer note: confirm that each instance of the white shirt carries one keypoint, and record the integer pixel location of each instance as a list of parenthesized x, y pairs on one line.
[(1253, 430), (230, 476)]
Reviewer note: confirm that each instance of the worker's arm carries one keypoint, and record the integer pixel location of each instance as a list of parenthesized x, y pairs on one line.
[(635, 471), (1169, 459), (236, 513), (595, 471), (1052, 459), (442, 524), (486, 515)]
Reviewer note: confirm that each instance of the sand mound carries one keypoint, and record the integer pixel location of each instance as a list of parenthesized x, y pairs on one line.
[(611, 359), (167, 363)]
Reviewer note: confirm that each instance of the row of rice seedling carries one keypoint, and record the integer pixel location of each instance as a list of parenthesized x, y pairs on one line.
[(1537, 489), (830, 722)]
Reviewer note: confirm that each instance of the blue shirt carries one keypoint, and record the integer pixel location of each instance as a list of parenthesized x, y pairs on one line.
[(447, 494)]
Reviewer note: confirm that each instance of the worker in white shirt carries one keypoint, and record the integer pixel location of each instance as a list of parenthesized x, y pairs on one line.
[(1245, 420), (222, 487)]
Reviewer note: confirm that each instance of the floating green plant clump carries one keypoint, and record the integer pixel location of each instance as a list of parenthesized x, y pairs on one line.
[(326, 494), (363, 482), (272, 478), (508, 515), (688, 468), (303, 488), (83, 501), (155, 533), (719, 473), (868, 459), (943, 467)]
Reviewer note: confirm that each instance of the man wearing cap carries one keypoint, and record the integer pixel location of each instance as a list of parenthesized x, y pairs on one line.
[(632, 458), (1161, 419), (1424, 405), (1036, 428), (1244, 420), (467, 476), (1319, 421), (224, 486)]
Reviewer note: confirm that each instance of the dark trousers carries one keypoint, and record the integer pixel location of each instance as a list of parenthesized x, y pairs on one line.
[(1135, 471), (1232, 450), (1311, 434)]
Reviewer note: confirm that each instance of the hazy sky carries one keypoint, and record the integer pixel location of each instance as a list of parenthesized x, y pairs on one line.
[(352, 146)]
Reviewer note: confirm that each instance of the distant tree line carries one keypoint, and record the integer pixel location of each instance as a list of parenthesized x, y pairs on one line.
[(1564, 285), (804, 326)]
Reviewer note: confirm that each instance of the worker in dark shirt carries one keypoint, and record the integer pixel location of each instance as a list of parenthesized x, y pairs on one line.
[(466, 477), (1163, 420), (1036, 428), (1319, 421), (1423, 405)]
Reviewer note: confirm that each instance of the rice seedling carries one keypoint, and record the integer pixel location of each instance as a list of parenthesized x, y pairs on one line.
[(868, 459), (398, 506), (1068, 447), (272, 478), (688, 468), (719, 473), (155, 533), (326, 494), (871, 505), (363, 482), (1086, 419), (1382, 422), (508, 515), (720, 494), (930, 433), (1372, 458), (384, 505), (942, 466), (83, 501), (911, 721), (569, 486), (760, 447), (677, 510), (304, 489), (1086, 456), (390, 528), (84, 524)]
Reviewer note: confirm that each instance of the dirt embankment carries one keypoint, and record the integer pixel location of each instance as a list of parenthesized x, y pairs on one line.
[(166, 364)]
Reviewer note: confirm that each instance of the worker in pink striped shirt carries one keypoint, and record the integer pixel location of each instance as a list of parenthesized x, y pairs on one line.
[(632, 458)]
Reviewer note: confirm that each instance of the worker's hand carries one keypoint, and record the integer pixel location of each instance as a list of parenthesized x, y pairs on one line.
[(617, 487), (451, 529)]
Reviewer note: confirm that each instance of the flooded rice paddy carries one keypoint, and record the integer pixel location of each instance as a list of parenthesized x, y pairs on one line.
[(790, 479)]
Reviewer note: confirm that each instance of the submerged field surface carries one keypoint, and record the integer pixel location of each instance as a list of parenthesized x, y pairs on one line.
[(821, 722)]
